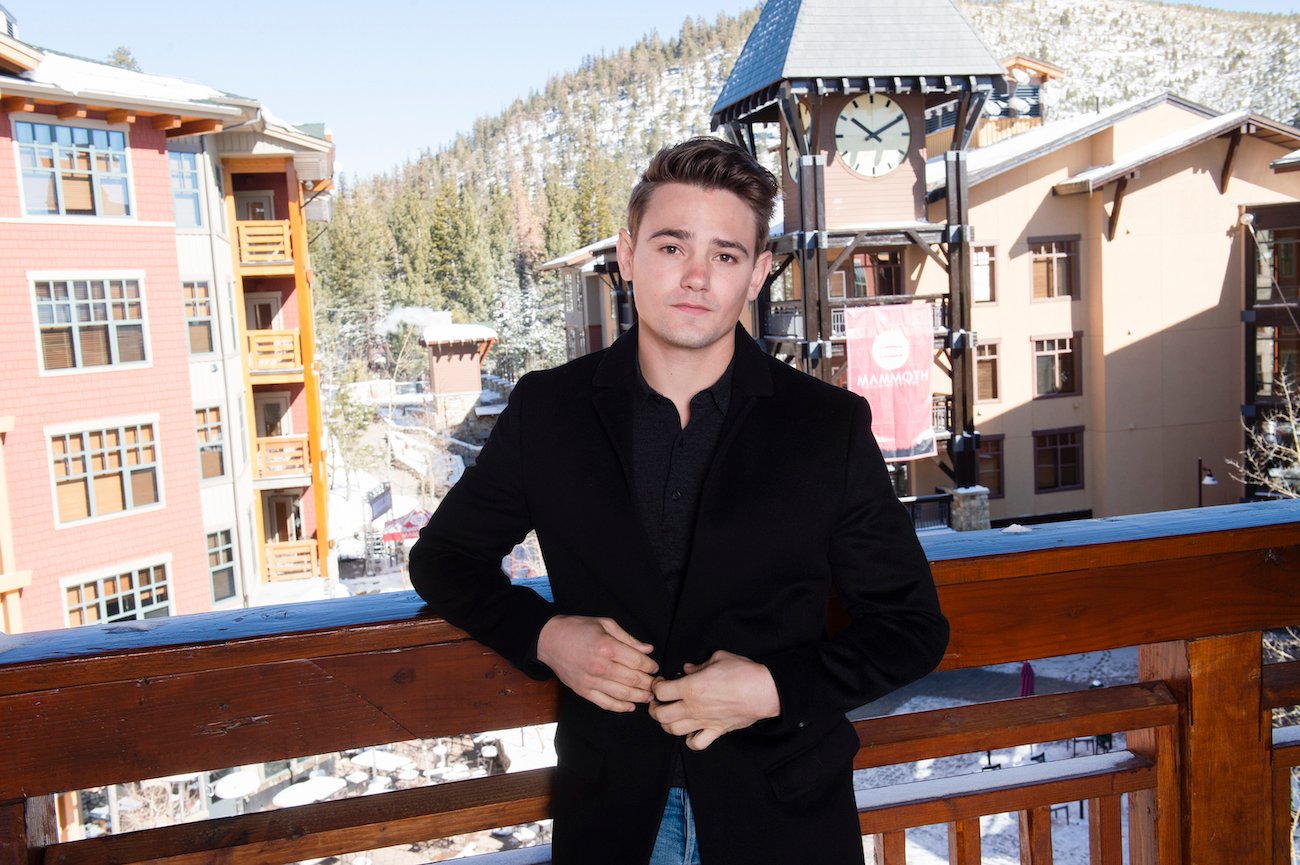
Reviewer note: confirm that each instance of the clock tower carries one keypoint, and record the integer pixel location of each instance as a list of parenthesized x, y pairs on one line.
[(846, 86)]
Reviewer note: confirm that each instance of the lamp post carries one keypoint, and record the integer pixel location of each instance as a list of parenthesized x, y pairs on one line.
[(1204, 478)]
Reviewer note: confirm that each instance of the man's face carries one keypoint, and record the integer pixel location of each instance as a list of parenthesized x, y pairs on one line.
[(693, 266)]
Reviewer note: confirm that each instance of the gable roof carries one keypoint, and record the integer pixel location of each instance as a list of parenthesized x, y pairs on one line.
[(1290, 162), (1176, 142), (854, 46), (985, 163), (64, 78)]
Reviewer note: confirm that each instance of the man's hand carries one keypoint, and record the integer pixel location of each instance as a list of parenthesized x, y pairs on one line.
[(598, 660), (727, 692)]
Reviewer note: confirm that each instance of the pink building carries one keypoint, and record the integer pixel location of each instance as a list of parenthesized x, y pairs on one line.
[(132, 482)]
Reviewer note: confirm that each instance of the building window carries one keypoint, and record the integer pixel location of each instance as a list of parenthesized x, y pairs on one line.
[(989, 458), (874, 274), (986, 371), (1277, 359), (137, 594), (90, 322), (212, 444), (105, 471), (1056, 267), (185, 189), (1056, 366), (1058, 460), (73, 171), (198, 316), (983, 286), (221, 565)]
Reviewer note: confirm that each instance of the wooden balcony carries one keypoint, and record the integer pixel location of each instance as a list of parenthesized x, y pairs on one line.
[(264, 247), (275, 356), (291, 560), (282, 461), (1204, 777)]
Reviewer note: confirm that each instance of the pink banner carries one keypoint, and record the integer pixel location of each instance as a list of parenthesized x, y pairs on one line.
[(889, 356)]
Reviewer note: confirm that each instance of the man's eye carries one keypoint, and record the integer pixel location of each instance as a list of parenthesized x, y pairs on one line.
[(726, 257), (669, 248)]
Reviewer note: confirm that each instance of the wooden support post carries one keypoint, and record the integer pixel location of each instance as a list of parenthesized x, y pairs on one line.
[(1282, 816), (964, 842), (26, 829), (1105, 832), (1224, 750), (1036, 836), (890, 849)]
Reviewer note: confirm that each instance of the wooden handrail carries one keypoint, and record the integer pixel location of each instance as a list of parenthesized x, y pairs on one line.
[(247, 686)]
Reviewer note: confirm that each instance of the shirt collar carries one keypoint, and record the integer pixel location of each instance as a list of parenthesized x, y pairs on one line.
[(719, 392)]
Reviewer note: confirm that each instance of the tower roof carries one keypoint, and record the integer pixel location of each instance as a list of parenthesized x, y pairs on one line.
[(857, 46)]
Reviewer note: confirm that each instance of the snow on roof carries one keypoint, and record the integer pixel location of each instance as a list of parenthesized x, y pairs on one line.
[(1086, 181), (983, 163), (87, 79), (581, 255), (450, 332), (1290, 162)]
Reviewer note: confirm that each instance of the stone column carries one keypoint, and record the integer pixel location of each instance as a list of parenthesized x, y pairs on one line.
[(970, 509)]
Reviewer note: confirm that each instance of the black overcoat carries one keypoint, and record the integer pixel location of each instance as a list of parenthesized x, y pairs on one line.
[(796, 503)]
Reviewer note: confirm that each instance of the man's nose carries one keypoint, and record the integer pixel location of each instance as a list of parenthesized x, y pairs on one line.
[(696, 275)]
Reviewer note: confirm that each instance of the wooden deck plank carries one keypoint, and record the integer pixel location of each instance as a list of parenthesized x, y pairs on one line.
[(327, 828), (1006, 723)]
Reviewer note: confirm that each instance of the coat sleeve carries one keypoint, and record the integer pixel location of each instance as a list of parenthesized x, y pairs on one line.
[(456, 563), (896, 632)]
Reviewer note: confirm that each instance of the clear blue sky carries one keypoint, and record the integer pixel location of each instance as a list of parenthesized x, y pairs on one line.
[(388, 77)]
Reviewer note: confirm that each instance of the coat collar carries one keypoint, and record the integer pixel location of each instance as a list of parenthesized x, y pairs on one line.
[(751, 375)]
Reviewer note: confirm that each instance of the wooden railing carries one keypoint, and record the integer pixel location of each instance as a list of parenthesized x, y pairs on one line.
[(283, 456), (1204, 780), (264, 241), (291, 560), (274, 352)]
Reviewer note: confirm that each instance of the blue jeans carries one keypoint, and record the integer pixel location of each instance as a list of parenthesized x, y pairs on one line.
[(676, 844)]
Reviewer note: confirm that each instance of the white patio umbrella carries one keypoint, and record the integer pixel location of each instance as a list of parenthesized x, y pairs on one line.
[(310, 790)]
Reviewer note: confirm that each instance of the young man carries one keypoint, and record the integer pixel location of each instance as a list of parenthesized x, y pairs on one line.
[(696, 501)]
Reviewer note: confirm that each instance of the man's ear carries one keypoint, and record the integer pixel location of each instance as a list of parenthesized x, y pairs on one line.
[(625, 254), (762, 267)]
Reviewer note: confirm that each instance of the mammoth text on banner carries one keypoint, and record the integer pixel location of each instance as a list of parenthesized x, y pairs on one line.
[(889, 362)]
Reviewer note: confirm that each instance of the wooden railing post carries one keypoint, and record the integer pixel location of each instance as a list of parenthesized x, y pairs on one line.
[(29, 825), (1225, 747)]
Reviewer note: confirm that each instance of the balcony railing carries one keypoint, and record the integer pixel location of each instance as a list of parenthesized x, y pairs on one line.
[(283, 457), (929, 512), (274, 353), (264, 242), (1201, 778), (785, 319), (291, 560)]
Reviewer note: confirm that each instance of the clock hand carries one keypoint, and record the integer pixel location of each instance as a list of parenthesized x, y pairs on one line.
[(876, 134), (870, 134)]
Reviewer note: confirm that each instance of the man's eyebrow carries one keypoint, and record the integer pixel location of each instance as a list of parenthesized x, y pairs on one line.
[(683, 234)]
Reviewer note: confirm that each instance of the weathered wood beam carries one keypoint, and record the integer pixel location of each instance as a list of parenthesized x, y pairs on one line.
[(927, 248), (1112, 226), (847, 251), (163, 122), (1281, 685), (70, 111), (17, 104), (1229, 159), (119, 115), (322, 185), (194, 127)]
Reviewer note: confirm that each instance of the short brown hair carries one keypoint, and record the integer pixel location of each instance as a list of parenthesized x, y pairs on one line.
[(709, 163)]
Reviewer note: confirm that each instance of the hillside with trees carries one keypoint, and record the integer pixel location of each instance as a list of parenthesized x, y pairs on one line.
[(466, 225)]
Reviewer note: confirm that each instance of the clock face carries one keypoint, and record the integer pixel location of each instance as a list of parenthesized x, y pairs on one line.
[(791, 147), (872, 135)]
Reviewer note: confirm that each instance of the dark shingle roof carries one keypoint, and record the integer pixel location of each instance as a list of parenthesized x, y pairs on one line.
[(856, 39)]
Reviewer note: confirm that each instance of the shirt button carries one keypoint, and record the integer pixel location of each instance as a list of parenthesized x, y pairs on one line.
[(677, 494)]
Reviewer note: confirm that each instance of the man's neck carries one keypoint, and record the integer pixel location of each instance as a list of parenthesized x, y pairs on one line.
[(680, 373)]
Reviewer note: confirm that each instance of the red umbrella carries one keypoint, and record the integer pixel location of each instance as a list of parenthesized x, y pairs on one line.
[(406, 527), (1026, 679)]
